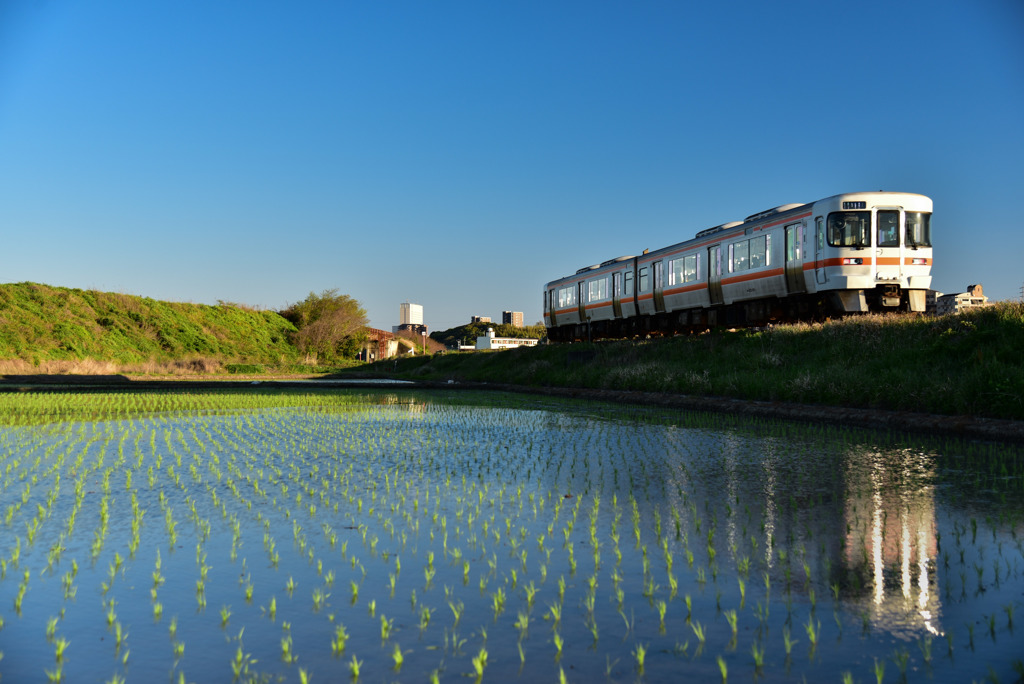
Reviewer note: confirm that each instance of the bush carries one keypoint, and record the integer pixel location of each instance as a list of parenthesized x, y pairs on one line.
[(245, 368)]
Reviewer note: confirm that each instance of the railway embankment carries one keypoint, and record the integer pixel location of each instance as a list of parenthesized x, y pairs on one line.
[(961, 368)]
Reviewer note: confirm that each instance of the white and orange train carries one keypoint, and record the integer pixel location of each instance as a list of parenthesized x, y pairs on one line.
[(858, 252)]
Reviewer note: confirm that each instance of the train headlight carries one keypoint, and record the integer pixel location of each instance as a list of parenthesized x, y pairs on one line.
[(853, 261), (919, 262)]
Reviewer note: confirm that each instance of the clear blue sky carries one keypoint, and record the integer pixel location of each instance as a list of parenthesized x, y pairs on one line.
[(460, 154)]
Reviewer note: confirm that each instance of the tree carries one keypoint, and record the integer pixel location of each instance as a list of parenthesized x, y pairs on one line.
[(329, 324)]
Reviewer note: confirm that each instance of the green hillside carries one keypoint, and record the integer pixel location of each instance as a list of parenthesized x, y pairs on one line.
[(42, 323)]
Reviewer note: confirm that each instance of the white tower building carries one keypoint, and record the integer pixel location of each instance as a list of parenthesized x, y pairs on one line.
[(410, 314)]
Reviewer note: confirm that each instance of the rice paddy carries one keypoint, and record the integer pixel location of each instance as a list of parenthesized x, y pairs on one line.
[(415, 536)]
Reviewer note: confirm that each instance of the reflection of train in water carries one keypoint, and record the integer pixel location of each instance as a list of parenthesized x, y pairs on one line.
[(865, 251)]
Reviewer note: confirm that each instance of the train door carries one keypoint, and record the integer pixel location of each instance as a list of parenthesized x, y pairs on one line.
[(617, 294), (552, 305), (659, 287), (582, 301), (715, 274), (819, 250), (795, 258), (888, 252)]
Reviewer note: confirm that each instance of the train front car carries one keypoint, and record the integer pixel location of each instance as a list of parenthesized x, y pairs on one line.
[(871, 251)]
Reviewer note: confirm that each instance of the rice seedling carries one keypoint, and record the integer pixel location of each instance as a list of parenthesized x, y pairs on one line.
[(640, 656), (479, 663), (287, 652), (60, 646), (555, 614), (879, 670), (787, 641), (385, 628), (339, 641), (813, 629), (522, 624), (757, 651), (319, 599), (111, 614), (225, 615), (531, 594), (354, 667), (901, 657), (119, 636), (398, 657)]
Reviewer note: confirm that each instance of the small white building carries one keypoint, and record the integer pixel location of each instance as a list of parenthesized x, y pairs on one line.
[(955, 303), (489, 341)]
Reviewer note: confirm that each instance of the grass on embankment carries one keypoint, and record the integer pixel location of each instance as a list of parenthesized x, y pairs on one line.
[(44, 327), (971, 364)]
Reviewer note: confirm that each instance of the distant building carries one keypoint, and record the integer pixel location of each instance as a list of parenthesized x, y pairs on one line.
[(489, 341), (513, 318), (931, 298), (479, 319), (410, 314), (955, 303)]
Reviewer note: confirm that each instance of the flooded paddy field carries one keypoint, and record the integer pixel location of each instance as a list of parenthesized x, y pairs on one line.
[(425, 536)]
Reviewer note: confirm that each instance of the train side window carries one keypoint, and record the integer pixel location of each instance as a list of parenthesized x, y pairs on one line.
[(741, 256), (675, 272), (757, 251), (645, 280), (627, 284), (819, 228), (597, 290), (690, 268)]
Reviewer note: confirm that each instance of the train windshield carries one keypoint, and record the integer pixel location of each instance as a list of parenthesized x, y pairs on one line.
[(919, 229), (888, 229), (849, 229)]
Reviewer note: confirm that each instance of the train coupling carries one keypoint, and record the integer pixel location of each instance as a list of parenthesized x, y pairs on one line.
[(890, 295)]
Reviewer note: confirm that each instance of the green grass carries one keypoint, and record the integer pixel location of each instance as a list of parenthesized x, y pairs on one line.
[(971, 364), (54, 323)]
